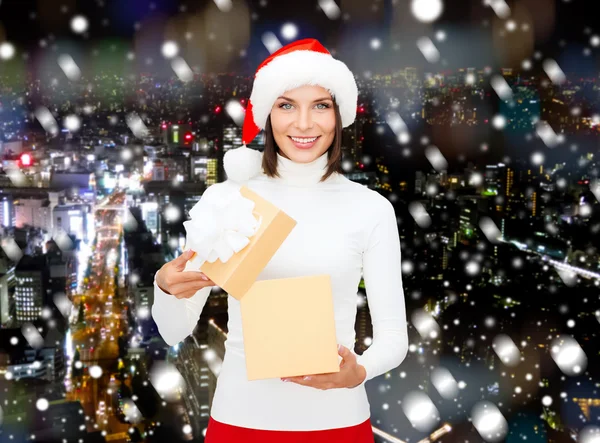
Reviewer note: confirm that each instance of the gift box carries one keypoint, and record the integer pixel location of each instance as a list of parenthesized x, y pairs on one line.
[(235, 233), (289, 328)]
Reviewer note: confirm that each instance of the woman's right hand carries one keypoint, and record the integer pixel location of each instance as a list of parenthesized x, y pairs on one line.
[(172, 279)]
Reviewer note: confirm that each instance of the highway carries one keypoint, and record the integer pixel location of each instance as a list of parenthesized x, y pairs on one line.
[(105, 320)]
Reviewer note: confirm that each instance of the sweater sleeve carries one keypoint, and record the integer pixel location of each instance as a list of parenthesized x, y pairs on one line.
[(175, 317), (385, 296)]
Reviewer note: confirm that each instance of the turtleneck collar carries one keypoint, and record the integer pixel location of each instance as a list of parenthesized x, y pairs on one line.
[(295, 173)]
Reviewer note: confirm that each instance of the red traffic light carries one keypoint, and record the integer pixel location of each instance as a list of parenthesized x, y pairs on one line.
[(188, 136)]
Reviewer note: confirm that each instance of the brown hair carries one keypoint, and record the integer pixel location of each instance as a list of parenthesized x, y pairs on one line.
[(334, 152)]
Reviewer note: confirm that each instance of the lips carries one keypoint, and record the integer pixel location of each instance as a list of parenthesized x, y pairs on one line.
[(304, 139), (304, 142)]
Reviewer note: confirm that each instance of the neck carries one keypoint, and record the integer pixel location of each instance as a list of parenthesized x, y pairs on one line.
[(295, 173)]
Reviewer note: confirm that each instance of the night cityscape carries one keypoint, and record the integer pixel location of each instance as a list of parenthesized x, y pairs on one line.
[(109, 138)]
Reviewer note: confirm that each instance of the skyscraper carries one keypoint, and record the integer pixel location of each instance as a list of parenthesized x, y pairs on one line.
[(232, 137), (28, 295)]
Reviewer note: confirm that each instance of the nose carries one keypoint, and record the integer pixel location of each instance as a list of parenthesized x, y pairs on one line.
[(304, 120)]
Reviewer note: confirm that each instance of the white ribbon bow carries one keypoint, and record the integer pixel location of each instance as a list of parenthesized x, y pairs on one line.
[(220, 225)]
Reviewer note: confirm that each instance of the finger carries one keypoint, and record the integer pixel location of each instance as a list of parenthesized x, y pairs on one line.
[(186, 294), (184, 277), (312, 382), (346, 354), (180, 261), (311, 378), (189, 286), (300, 380), (343, 350)]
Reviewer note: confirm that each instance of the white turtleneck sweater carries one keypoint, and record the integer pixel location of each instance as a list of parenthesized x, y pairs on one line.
[(345, 230)]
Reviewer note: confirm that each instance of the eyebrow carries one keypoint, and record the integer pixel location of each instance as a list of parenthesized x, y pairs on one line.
[(314, 101)]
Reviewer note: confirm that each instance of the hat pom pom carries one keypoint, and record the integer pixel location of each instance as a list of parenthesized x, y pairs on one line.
[(243, 163)]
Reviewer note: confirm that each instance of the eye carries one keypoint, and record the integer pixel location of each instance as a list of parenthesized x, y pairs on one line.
[(282, 106), (325, 105)]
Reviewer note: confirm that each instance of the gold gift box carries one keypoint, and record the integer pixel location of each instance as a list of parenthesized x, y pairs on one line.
[(288, 324), (238, 274), (289, 328)]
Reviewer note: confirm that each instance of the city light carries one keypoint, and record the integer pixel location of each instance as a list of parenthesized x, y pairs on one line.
[(26, 159), (465, 209)]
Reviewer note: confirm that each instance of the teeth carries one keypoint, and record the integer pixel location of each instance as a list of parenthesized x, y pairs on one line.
[(304, 140)]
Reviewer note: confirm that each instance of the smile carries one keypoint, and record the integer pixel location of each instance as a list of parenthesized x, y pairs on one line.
[(304, 139)]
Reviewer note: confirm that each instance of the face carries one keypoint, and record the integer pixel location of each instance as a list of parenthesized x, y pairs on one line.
[(303, 123)]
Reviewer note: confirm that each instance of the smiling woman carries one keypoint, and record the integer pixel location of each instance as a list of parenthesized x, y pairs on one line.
[(302, 126), (302, 97)]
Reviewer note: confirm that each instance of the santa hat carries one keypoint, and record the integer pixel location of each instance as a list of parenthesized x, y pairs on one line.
[(303, 62)]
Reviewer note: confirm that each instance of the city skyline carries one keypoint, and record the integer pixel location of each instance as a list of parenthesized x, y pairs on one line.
[(114, 120)]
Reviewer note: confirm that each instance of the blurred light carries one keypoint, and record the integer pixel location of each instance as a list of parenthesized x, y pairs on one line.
[(420, 411), (26, 159), (425, 324), (72, 122), (7, 51), (236, 111), (501, 87), (167, 380), (419, 213), (224, 5), (499, 121), (289, 31), (271, 42), (69, 67), (169, 49), (330, 8), (136, 124), (436, 158), (568, 355), (554, 71), (182, 69), (489, 421), (79, 24), (500, 7), (42, 404), (506, 350), (444, 382), (47, 120), (428, 49), (427, 11)]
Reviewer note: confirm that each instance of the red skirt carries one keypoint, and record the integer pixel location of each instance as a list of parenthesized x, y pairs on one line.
[(218, 432)]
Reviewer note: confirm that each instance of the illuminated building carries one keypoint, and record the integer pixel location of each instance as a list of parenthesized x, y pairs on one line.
[(212, 171)]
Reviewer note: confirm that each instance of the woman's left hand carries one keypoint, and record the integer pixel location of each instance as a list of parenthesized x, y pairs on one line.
[(350, 375)]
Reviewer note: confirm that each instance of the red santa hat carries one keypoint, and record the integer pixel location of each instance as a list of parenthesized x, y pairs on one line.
[(303, 62)]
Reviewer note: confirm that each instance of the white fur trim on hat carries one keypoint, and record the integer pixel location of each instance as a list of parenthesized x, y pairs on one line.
[(300, 68), (243, 163)]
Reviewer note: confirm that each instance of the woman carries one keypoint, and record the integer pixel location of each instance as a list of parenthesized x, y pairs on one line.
[(302, 97)]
